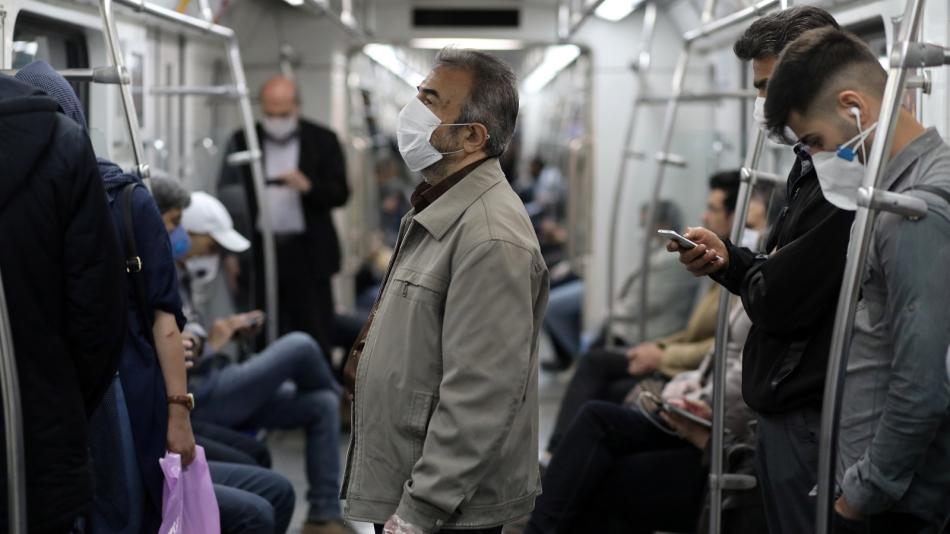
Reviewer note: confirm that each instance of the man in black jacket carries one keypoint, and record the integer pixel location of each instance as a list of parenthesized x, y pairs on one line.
[(789, 291), (63, 279), (306, 179)]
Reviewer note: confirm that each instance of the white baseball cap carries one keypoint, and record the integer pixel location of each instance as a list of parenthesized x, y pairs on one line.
[(207, 215)]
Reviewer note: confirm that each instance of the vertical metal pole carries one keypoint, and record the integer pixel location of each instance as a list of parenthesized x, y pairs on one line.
[(257, 176), (131, 119), (861, 234), (13, 425), (722, 340), (669, 124), (3, 37), (643, 69)]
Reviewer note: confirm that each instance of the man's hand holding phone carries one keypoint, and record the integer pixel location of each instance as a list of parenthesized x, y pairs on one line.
[(707, 257)]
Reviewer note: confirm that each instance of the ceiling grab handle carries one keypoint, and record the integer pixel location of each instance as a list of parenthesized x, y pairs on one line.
[(642, 68), (13, 425), (268, 243), (861, 232), (125, 90), (718, 481)]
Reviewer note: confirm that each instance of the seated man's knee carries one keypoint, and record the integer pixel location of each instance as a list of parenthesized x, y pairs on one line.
[(301, 342), (243, 511)]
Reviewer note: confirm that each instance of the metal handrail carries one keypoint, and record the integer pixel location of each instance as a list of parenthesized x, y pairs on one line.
[(571, 21), (103, 75), (578, 210), (251, 156), (717, 480), (861, 233), (12, 425), (711, 27), (700, 97), (642, 68), (128, 104)]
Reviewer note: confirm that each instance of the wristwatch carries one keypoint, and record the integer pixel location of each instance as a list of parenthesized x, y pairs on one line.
[(188, 401)]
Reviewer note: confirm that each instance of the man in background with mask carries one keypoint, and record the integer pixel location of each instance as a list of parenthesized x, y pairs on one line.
[(789, 292), (445, 372), (306, 179), (894, 455)]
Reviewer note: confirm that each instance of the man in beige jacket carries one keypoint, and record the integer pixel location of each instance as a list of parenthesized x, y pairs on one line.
[(444, 374)]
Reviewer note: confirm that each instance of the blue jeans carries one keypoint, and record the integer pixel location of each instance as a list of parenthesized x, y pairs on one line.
[(288, 385), (252, 500), (563, 319)]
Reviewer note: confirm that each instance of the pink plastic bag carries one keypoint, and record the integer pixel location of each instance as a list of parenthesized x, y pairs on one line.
[(188, 502)]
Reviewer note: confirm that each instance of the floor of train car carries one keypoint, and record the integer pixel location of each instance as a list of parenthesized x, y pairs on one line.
[(287, 448)]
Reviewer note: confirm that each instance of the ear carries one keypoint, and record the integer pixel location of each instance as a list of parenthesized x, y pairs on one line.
[(476, 137), (853, 104)]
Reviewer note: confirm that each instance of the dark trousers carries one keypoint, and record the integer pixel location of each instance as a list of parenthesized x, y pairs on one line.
[(306, 300), (222, 444), (787, 461), (601, 375), (252, 499), (492, 530), (615, 472)]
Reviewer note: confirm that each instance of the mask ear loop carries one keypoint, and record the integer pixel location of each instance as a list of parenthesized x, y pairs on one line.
[(487, 136)]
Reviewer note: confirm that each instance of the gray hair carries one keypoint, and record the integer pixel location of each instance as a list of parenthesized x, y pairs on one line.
[(493, 100), (169, 194)]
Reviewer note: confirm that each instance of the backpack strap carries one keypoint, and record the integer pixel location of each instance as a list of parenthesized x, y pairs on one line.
[(133, 262)]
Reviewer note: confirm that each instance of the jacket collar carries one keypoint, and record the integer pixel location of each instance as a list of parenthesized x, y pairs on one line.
[(442, 214), (927, 142)]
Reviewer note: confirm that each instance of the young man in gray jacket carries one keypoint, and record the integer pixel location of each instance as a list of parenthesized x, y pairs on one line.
[(894, 455), (444, 374)]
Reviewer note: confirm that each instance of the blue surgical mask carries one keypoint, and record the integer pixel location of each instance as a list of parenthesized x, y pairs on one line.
[(181, 243)]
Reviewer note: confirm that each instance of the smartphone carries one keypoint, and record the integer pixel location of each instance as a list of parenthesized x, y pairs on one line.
[(684, 243), (687, 414)]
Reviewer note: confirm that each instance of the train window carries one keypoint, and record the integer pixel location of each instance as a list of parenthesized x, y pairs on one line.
[(60, 44)]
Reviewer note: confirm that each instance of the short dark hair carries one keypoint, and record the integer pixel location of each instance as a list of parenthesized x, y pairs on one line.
[(728, 182), (819, 61), (169, 194), (769, 35), (493, 100)]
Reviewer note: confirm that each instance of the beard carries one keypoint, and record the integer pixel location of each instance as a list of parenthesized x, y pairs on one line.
[(439, 170)]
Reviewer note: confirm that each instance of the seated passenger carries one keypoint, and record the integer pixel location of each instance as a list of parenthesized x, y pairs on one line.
[(61, 265), (251, 498), (894, 462), (626, 471), (670, 297), (287, 385), (610, 374)]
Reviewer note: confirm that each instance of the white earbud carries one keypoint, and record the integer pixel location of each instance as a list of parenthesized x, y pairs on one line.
[(855, 111)]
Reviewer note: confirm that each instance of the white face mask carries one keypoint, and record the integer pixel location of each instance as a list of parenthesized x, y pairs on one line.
[(840, 173), (413, 131), (758, 116), (279, 128), (203, 269), (750, 238)]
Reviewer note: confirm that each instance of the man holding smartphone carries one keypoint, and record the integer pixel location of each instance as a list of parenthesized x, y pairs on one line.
[(789, 293)]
